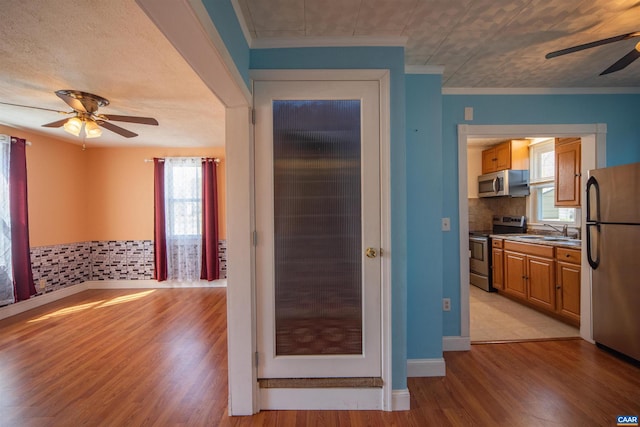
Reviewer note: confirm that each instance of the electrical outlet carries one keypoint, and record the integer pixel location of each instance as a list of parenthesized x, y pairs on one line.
[(446, 304), (42, 283)]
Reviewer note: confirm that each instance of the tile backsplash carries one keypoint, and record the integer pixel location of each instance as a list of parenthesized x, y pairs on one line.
[(60, 266), (481, 210)]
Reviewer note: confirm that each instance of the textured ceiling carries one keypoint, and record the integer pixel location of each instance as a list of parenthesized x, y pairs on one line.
[(109, 48), (112, 49), (480, 43)]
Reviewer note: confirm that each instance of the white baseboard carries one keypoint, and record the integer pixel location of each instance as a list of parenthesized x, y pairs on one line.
[(400, 400), (31, 303), (453, 343), (426, 367), (321, 399)]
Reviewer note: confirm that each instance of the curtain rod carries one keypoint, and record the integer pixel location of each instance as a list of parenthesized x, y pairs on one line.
[(5, 139), (215, 159)]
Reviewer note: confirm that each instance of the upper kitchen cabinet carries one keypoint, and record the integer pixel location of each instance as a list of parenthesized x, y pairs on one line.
[(567, 178), (512, 154)]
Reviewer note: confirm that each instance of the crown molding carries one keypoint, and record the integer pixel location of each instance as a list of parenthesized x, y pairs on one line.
[(243, 23), (423, 69), (539, 90), (351, 41)]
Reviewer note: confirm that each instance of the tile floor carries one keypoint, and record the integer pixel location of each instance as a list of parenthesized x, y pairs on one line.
[(496, 318)]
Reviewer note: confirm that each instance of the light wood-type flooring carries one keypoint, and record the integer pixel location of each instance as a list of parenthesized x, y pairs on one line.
[(494, 317), (158, 357)]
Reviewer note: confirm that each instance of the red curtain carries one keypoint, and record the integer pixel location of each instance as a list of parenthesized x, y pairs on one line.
[(20, 251), (159, 233), (210, 269)]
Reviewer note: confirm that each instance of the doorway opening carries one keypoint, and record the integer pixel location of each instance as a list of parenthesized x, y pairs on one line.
[(593, 138)]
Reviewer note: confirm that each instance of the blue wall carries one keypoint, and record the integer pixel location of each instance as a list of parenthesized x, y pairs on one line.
[(619, 112), (424, 213), (226, 22), (391, 58)]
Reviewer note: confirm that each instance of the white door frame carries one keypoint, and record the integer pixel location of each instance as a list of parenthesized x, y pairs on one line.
[(349, 398), (593, 156)]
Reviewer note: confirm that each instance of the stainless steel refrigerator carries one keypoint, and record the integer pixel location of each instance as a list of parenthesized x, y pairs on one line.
[(613, 252)]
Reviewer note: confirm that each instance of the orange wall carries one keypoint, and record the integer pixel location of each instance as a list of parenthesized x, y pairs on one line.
[(120, 199), (99, 193), (56, 186)]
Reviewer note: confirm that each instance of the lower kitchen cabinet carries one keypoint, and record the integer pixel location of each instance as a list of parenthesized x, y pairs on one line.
[(497, 264), (542, 276), (568, 284), (515, 273), (540, 282)]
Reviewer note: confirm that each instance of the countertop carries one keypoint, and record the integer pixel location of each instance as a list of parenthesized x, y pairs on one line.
[(539, 239)]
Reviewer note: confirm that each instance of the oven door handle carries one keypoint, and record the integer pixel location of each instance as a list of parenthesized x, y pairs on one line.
[(478, 239)]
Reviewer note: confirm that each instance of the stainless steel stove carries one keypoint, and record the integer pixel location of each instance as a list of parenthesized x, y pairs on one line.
[(480, 248)]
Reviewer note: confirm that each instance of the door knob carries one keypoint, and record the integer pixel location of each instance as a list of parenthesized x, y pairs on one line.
[(371, 253)]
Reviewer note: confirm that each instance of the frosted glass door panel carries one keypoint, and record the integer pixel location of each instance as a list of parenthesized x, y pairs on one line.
[(317, 227)]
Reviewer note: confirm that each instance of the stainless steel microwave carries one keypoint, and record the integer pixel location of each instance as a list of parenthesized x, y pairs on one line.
[(512, 183)]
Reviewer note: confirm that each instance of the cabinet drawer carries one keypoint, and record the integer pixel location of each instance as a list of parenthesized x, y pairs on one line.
[(529, 249), (568, 255), (496, 243)]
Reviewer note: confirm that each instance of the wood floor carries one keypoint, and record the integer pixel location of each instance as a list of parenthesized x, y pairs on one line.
[(158, 357)]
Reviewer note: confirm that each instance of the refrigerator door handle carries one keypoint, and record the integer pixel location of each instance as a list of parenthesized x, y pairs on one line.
[(593, 262), (593, 182)]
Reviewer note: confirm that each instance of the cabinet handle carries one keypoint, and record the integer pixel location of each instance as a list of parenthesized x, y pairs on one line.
[(568, 255), (558, 287)]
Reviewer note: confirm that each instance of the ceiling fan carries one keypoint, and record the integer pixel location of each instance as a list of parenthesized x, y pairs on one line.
[(618, 65), (85, 115)]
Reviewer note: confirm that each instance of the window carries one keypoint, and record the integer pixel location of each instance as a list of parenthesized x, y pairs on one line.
[(542, 175), (183, 211), (6, 274), (184, 197)]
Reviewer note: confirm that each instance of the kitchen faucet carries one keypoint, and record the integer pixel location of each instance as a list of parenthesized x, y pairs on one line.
[(564, 230)]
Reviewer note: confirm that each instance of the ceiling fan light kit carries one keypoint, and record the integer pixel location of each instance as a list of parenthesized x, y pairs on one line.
[(85, 110), (73, 126)]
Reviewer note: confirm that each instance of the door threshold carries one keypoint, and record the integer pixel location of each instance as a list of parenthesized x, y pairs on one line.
[(513, 341)]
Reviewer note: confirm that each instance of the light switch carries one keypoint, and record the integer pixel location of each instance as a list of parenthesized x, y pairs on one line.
[(468, 113), (446, 224)]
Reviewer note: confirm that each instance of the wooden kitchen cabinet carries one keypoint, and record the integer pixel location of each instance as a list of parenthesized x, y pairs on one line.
[(512, 154), (568, 284), (497, 264), (567, 174), (515, 270), (529, 273), (540, 282)]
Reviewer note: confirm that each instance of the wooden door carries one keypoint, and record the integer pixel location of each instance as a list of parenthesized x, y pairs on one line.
[(515, 274), (489, 160), (503, 156), (541, 282), (568, 279), (567, 178)]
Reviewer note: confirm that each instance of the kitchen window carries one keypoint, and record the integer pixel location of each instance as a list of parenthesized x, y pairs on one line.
[(542, 208)]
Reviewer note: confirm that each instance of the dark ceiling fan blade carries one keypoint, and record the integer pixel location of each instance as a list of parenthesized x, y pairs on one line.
[(72, 102), (622, 62), (55, 124), (592, 44), (131, 119), (36, 108), (116, 129)]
